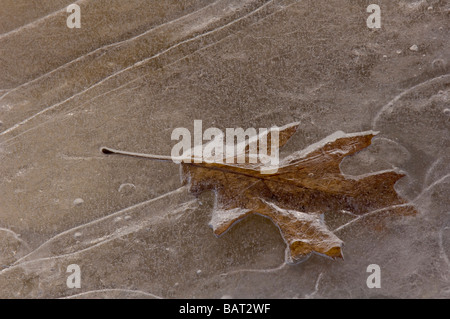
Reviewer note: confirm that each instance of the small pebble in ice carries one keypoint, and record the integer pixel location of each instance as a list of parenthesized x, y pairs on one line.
[(398, 51), (199, 272), (414, 48), (430, 8), (78, 201), (447, 112), (385, 56), (126, 188), (77, 235)]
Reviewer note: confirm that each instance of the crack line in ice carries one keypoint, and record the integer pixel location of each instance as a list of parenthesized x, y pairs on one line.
[(316, 287), (429, 187), (370, 214), (137, 64), (111, 45), (403, 93), (98, 96), (103, 94), (19, 263), (74, 253), (178, 190), (37, 21), (16, 236), (410, 203), (70, 110), (119, 87), (87, 102), (268, 270), (71, 254), (430, 170), (114, 290)]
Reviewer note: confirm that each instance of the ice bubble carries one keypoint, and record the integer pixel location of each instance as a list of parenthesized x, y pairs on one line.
[(126, 188), (78, 201), (414, 48)]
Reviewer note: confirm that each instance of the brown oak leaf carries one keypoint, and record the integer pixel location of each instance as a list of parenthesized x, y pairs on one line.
[(306, 185)]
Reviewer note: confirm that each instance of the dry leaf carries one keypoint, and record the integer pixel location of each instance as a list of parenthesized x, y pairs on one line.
[(307, 185)]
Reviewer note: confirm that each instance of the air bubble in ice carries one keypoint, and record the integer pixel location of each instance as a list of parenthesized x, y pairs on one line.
[(126, 188), (438, 64), (78, 201)]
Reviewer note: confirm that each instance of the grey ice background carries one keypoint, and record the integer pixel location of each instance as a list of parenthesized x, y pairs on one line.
[(138, 69)]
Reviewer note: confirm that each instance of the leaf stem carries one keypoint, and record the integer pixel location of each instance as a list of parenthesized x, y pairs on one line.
[(109, 151)]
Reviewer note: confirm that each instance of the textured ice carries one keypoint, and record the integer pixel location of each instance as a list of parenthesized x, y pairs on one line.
[(138, 69)]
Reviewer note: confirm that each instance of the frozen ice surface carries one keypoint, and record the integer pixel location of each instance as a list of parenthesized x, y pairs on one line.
[(136, 70)]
